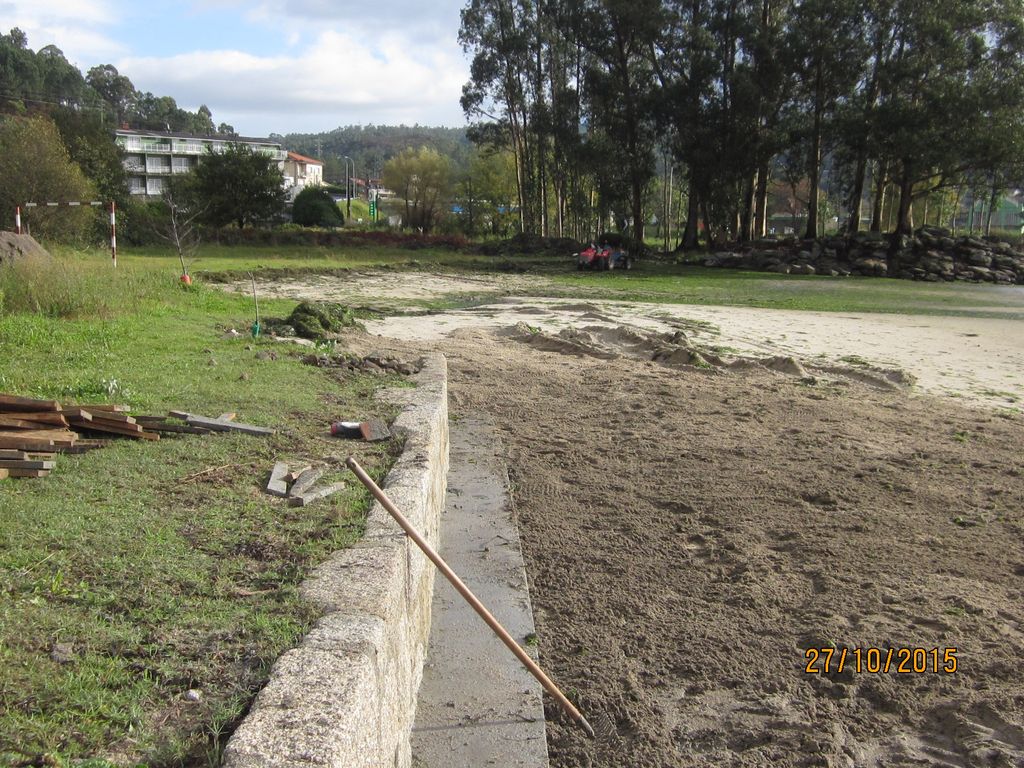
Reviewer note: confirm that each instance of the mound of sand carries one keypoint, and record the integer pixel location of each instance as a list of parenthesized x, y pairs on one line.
[(674, 350), (14, 246)]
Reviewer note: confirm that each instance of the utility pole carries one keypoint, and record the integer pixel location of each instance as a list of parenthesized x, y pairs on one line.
[(349, 183)]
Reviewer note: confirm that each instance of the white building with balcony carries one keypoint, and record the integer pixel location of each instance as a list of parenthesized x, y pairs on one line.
[(301, 172), (151, 157)]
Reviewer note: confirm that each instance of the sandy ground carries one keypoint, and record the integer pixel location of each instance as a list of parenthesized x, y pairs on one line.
[(691, 531), (384, 289), (978, 359)]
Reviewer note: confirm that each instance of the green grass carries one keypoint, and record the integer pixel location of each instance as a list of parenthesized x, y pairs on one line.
[(680, 284), (160, 567), (214, 258)]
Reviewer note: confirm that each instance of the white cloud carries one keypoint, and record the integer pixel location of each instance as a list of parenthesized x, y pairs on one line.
[(435, 23), (338, 79), (74, 26)]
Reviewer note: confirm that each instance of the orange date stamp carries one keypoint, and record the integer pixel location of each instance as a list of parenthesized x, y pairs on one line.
[(902, 661)]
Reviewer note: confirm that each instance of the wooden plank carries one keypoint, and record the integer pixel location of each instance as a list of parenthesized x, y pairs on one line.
[(114, 408), (109, 429), (176, 428), (28, 472), (25, 464), (305, 481), (115, 427), (9, 422), (13, 403), (227, 426), (4, 473), (310, 496), (27, 444), (101, 415), (9, 454), (42, 417), (48, 438), (276, 485)]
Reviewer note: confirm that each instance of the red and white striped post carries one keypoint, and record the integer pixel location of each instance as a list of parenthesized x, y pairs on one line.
[(113, 232), (17, 219)]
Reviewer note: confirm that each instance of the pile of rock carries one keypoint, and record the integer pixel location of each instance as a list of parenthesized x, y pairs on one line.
[(932, 254), (379, 365), (13, 247)]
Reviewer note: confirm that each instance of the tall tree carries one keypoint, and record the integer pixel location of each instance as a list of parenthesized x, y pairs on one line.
[(239, 186), (828, 55), (35, 167), (422, 179), (621, 83), (114, 88)]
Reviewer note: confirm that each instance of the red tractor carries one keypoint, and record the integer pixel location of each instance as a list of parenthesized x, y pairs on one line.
[(604, 257)]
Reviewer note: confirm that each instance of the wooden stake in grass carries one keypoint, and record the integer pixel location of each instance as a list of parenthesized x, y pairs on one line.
[(470, 598)]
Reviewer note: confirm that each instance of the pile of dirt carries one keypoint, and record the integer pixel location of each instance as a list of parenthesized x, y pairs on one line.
[(13, 246), (314, 320), (675, 350)]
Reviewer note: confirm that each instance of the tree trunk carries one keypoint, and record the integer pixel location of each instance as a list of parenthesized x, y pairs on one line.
[(690, 234), (814, 164), (879, 202), (993, 201), (956, 210), (707, 224), (668, 217), (856, 202), (638, 213), (747, 219), (761, 201), (904, 221)]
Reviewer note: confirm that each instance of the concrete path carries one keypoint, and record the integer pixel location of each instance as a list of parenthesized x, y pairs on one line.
[(477, 705)]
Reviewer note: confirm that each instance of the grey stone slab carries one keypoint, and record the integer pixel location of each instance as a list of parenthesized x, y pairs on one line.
[(477, 705)]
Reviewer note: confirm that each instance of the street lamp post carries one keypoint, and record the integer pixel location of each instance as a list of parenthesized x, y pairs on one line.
[(349, 182)]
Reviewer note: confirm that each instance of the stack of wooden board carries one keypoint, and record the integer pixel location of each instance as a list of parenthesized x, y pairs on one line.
[(25, 463), (34, 425), (32, 431)]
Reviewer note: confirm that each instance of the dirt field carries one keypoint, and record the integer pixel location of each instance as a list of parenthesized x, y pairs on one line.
[(693, 524)]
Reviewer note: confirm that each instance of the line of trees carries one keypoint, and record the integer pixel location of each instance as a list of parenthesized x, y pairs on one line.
[(37, 80), (893, 97)]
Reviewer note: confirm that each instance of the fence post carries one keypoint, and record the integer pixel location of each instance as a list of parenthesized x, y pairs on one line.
[(113, 232), (17, 219)]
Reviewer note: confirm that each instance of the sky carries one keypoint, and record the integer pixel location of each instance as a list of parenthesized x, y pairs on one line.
[(269, 66)]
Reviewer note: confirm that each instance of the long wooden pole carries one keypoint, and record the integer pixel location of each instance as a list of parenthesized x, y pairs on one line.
[(465, 591)]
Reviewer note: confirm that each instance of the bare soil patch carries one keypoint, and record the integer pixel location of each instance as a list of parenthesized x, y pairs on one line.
[(690, 533), (692, 527)]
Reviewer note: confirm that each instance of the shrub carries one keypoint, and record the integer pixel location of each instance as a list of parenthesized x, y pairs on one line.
[(314, 207)]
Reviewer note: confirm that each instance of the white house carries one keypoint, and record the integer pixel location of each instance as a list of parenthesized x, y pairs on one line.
[(301, 172)]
